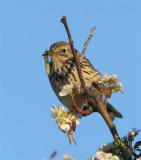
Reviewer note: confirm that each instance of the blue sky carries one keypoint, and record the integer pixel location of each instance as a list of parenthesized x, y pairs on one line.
[(27, 28)]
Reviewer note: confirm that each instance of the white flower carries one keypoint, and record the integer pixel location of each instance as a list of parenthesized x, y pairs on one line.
[(115, 158), (114, 77), (77, 121), (78, 87), (100, 155), (64, 126), (105, 78), (106, 148), (65, 123), (66, 89), (67, 157), (92, 158), (63, 118), (57, 111), (108, 77)]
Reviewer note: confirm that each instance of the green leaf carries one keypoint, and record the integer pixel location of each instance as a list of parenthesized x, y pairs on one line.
[(52, 50), (138, 149), (137, 144), (125, 141), (116, 152), (120, 143)]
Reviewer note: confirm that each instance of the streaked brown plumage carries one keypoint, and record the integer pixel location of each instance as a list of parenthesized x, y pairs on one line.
[(63, 71)]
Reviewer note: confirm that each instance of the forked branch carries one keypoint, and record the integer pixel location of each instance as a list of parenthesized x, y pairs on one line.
[(95, 99), (86, 44)]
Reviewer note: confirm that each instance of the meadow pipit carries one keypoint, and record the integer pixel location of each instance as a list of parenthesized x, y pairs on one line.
[(62, 71)]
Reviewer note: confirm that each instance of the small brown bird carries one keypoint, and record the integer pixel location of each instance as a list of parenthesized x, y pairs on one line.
[(62, 70)]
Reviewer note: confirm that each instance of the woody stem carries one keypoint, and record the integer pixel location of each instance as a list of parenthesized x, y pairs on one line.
[(95, 99)]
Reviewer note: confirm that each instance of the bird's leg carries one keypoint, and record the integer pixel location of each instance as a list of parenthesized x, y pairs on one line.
[(83, 111), (76, 107)]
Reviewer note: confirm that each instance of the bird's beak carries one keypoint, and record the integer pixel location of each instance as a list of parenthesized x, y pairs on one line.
[(49, 53)]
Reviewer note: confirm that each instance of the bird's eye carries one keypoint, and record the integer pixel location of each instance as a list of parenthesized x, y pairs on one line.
[(64, 50)]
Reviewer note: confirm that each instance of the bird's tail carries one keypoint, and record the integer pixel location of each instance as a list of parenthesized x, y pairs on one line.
[(113, 112)]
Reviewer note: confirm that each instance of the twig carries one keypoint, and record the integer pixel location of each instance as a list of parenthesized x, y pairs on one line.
[(86, 44), (64, 21), (95, 100)]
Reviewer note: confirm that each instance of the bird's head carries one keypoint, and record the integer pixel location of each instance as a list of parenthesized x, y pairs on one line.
[(59, 52)]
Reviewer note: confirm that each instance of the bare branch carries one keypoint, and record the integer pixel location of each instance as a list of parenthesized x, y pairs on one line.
[(94, 97), (64, 21), (86, 44)]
